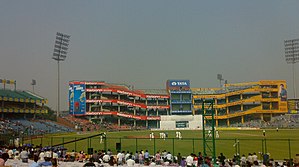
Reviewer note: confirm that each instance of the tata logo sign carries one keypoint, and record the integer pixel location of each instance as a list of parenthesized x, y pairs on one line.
[(181, 83)]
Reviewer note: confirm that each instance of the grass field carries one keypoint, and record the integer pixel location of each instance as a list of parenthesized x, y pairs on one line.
[(281, 145)]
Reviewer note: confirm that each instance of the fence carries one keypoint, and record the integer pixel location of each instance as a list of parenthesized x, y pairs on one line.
[(278, 148)]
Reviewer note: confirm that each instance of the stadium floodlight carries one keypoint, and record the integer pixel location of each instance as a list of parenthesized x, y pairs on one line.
[(59, 54), (219, 77), (292, 57)]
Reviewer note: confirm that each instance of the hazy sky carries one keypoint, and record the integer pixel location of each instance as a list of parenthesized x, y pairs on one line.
[(144, 43)]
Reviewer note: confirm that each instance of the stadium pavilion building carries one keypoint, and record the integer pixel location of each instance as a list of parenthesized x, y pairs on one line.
[(177, 106), (20, 103)]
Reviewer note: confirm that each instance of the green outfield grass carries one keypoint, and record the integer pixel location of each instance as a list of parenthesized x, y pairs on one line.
[(280, 145)]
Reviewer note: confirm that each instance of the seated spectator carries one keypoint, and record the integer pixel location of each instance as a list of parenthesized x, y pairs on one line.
[(35, 164), (112, 161), (3, 159), (46, 163), (169, 157), (90, 163), (106, 158), (130, 161), (17, 156), (24, 156), (152, 162), (183, 162)]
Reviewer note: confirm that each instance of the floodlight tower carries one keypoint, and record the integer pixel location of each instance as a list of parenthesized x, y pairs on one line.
[(219, 77), (59, 54), (292, 57)]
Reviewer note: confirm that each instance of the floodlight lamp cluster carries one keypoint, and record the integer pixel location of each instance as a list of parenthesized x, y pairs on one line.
[(292, 51), (219, 77), (61, 46)]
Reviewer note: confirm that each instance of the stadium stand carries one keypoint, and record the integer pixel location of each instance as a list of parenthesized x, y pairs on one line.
[(287, 121), (22, 113)]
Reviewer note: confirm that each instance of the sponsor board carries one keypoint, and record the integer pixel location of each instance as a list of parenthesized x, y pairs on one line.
[(179, 83), (293, 106), (158, 107), (157, 96), (124, 115), (77, 99)]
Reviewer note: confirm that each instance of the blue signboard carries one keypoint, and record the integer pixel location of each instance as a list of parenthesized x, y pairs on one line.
[(71, 98), (179, 83), (78, 99)]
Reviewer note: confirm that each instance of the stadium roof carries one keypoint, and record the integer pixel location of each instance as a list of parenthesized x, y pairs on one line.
[(18, 95), (154, 91)]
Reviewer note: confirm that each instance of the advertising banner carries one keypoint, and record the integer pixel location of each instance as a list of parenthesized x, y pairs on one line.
[(282, 93), (77, 99), (71, 98), (125, 92), (293, 106), (138, 117), (178, 83), (158, 96), (129, 93), (158, 107)]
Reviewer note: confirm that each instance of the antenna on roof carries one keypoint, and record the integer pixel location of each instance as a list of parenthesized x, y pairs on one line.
[(33, 83)]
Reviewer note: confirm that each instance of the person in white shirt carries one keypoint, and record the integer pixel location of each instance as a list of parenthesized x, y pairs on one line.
[(209, 133), (254, 157), (130, 161), (189, 160), (55, 155), (243, 161), (42, 156), (24, 156), (217, 134), (119, 157), (48, 154), (127, 155), (152, 163), (250, 159), (10, 153), (169, 157), (106, 158)]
